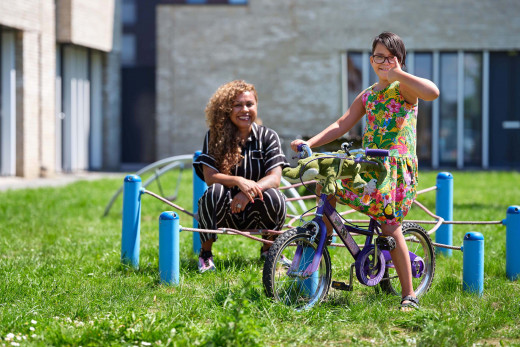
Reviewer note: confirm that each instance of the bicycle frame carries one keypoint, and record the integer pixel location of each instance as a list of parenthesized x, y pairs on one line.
[(344, 232)]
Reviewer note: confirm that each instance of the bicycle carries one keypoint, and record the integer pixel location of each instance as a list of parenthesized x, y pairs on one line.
[(297, 270)]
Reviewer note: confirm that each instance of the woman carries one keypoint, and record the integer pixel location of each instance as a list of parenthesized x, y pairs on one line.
[(241, 162)]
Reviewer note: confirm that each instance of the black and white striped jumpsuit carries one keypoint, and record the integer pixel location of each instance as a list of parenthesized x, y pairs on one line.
[(262, 152)]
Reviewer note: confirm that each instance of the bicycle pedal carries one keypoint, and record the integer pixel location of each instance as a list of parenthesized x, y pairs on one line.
[(341, 286), (386, 243)]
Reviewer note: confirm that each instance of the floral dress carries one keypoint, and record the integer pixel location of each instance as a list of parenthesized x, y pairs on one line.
[(391, 124)]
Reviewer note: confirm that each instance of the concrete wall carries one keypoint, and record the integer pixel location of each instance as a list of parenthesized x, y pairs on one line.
[(21, 14), (291, 50), (86, 23)]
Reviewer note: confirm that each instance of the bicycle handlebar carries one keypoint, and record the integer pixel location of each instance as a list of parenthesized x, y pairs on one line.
[(376, 152), (305, 151)]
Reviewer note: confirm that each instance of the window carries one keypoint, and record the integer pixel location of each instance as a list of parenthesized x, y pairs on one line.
[(450, 130), (472, 109), (423, 67), (129, 12), (128, 50), (448, 109)]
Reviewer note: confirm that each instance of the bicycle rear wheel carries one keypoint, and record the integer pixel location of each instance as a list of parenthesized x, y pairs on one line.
[(423, 269), (283, 274)]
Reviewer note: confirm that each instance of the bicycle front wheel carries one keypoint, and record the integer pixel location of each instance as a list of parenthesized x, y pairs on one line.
[(423, 268), (284, 276)]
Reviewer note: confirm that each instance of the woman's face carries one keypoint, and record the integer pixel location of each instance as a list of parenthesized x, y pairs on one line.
[(243, 113)]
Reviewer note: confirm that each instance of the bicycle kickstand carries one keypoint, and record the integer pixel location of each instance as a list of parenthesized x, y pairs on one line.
[(342, 285)]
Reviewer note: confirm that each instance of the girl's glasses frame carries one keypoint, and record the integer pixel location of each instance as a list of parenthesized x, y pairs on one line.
[(380, 59)]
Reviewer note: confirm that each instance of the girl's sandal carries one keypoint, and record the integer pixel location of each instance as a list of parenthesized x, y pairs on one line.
[(411, 304)]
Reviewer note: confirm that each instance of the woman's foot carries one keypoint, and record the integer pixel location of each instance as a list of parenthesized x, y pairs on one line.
[(409, 303), (206, 261)]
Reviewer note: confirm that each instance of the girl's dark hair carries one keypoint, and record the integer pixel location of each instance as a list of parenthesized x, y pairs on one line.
[(393, 43)]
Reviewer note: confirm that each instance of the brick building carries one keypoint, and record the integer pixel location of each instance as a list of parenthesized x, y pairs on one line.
[(59, 92)]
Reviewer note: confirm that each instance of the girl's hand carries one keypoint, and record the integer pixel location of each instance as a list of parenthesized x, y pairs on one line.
[(296, 143), (395, 69), (251, 189)]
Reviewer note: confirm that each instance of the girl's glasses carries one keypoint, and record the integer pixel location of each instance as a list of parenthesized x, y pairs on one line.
[(380, 59)]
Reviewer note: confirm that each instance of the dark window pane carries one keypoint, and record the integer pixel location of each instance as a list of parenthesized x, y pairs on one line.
[(472, 109), (355, 83), (424, 68), (448, 109)]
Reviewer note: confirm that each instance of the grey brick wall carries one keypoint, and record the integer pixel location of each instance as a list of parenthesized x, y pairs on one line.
[(291, 51)]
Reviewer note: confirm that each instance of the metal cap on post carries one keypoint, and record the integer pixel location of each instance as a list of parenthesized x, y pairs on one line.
[(473, 263), (169, 247), (444, 209), (130, 234), (199, 187), (512, 223)]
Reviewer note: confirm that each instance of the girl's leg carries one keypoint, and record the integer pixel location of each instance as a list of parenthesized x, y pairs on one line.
[(400, 258)]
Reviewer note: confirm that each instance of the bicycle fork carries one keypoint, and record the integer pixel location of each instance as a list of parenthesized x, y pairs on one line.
[(320, 230)]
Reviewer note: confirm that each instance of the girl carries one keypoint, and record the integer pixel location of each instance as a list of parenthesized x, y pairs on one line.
[(391, 109)]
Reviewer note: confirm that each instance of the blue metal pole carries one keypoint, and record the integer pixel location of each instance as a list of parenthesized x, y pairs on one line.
[(130, 235), (444, 209), (169, 247), (310, 285), (512, 223), (199, 187), (473, 263)]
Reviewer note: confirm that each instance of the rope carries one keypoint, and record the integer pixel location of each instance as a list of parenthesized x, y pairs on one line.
[(166, 201), (249, 233), (296, 185), (426, 190)]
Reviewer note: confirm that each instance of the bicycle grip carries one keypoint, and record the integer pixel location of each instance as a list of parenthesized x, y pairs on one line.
[(304, 151), (376, 152)]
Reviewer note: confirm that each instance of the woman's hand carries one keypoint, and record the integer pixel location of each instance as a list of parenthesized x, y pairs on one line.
[(251, 189), (239, 202), (296, 143)]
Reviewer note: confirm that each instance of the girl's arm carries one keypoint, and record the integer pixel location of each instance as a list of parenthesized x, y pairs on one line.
[(412, 87), (338, 128)]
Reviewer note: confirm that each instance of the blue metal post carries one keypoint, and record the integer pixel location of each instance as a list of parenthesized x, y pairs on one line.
[(512, 223), (130, 235), (444, 209), (310, 285), (169, 247), (199, 187), (473, 263)]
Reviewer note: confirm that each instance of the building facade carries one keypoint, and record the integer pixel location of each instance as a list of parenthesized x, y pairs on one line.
[(309, 59), (59, 91)]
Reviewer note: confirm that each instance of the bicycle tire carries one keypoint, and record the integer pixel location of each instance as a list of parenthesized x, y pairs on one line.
[(281, 281), (420, 243)]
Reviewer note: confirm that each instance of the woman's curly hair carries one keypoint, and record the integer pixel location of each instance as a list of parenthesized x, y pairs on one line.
[(224, 140)]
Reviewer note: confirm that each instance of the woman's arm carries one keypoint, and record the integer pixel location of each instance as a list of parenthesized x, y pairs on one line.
[(271, 179), (248, 187), (354, 113)]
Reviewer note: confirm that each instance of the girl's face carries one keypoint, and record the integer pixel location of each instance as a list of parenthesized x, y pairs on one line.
[(243, 113), (379, 65)]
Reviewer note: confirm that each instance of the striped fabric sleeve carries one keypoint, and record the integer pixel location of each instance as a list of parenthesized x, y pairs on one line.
[(273, 153), (204, 159)]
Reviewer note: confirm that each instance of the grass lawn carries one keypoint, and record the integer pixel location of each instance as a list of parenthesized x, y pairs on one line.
[(62, 282)]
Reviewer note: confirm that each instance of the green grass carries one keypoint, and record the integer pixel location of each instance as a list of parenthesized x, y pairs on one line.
[(62, 282)]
